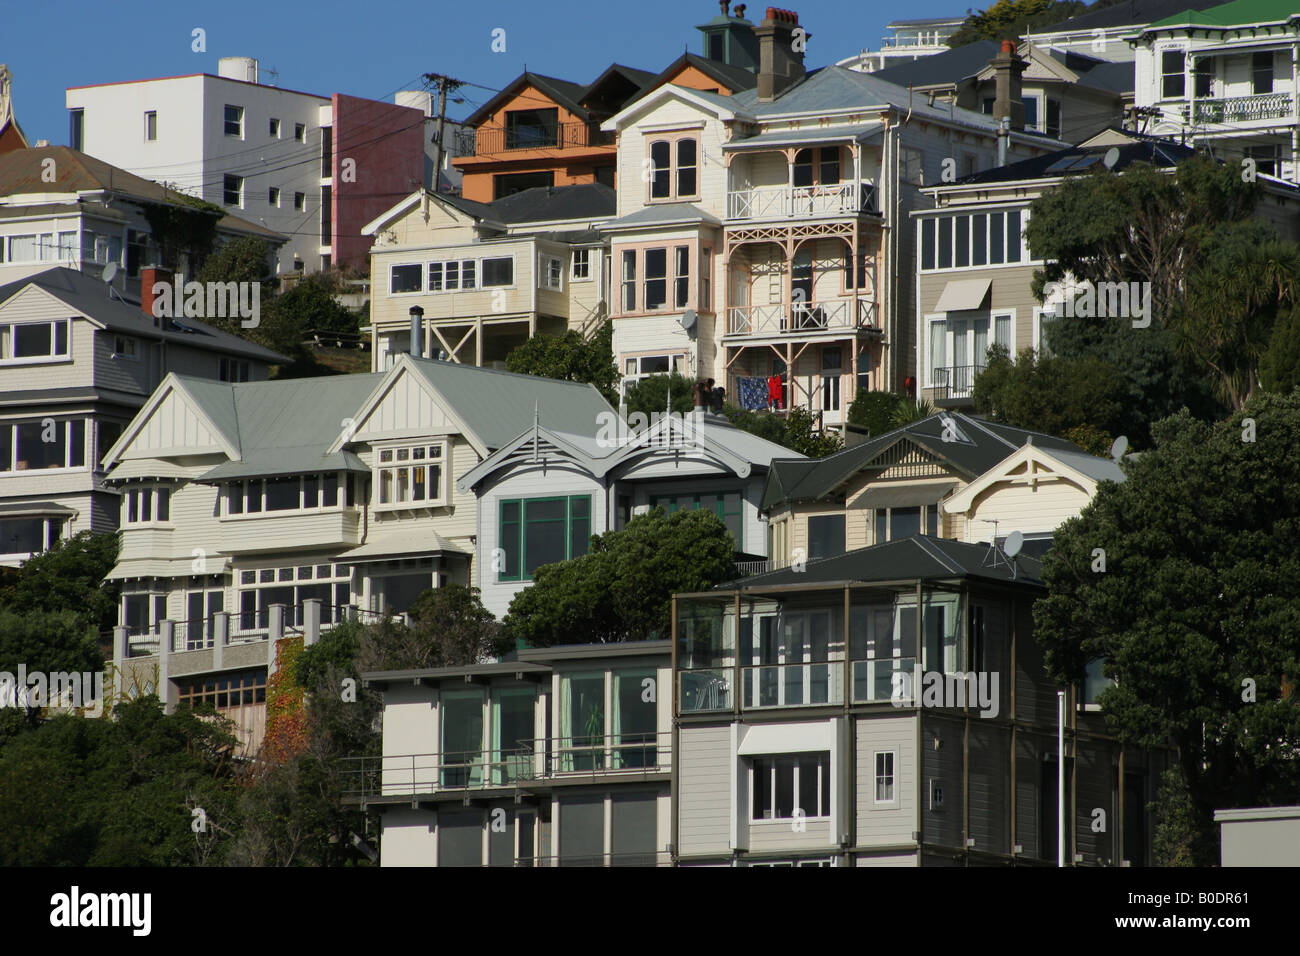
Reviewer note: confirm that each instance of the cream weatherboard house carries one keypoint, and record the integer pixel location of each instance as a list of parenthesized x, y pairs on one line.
[(486, 277), (77, 361), (255, 508), (763, 239)]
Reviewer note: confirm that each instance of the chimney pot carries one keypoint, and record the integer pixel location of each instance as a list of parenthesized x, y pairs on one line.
[(1008, 46), (724, 6), (740, 11)]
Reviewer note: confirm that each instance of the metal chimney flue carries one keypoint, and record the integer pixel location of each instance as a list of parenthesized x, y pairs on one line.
[(417, 331)]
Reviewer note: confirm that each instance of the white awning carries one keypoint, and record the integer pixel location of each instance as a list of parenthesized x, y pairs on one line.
[(151, 468), (963, 294), (167, 567), (787, 738)]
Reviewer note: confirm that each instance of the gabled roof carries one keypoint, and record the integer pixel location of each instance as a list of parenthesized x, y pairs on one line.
[(1084, 158), (976, 447), (1237, 13), (1125, 13), (919, 557), (630, 75), (1078, 466), (733, 78), (564, 93), (664, 214), (23, 171), (90, 297)]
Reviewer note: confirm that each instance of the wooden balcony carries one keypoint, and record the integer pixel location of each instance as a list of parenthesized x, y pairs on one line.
[(801, 202), (833, 315), (1242, 109)]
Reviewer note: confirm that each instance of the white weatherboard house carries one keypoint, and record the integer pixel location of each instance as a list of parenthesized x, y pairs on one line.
[(597, 483), (77, 361), (260, 507)]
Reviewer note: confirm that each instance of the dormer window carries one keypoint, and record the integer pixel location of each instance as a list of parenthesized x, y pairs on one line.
[(411, 476)]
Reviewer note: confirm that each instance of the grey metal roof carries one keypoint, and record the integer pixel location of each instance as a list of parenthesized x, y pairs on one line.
[(664, 214), (498, 406), (837, 88), (940, 68), (283, 426), (90, 297), (979, 445), (829, 134), (918, 557), (1098, 469), (1142, 149)]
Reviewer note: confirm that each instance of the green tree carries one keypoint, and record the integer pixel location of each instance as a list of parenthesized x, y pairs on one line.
[(796, 430), (242, 259), (1279, 366), (571, 358), (1050, 394), (874, 411), (650, 395), (48, 641), (1194, 615), (1009, 19), (622, 590), (910, 411), (69, 576)]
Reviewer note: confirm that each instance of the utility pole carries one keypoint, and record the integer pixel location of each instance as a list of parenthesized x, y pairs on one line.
[(445, 84)]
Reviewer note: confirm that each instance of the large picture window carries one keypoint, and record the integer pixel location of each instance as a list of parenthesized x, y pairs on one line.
[(42, 444), (972, 240), (34, 341), (538, 531), (788, 786), (290, 586), (825, 536), (284, 493), (29, 535), (405, 278)]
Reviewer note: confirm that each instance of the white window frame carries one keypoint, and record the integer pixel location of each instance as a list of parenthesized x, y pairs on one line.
[(151, 126), (420, 286), (550, 272), (289, 576), (676, 363), (11, 467), (443, 272), (7, 338), (1039, 347), (132, 499), (877, 777), (225, 120), (392, 450), (580, 269), (48, 539), (239, 190), (300, 132), (825, 788), (950, 337), (228, 487), (274, 127), (514, 273), (233, 370)]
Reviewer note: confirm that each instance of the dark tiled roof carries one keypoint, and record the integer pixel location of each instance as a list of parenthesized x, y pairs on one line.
[(89, 296), (1143, 149), (919, 557), (941, 68), (981, 445), (552, 203)]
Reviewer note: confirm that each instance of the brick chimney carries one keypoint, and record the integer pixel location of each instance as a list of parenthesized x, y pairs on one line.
[(1008, 102), (147, 279), (780, 66)]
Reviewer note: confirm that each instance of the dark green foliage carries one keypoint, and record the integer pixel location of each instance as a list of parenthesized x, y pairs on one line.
[(571, 358), (796, 430), (1009, 19), (1199, 595), (622, 590), (875, 411), (68, 577), (1279, 366), (650, 395)]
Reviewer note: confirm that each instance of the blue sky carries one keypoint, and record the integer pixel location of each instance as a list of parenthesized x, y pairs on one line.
[(374, 49)]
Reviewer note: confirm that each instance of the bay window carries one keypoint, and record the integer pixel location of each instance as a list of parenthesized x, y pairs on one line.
[(551, 273), (410, 475), (538, 531), (629, 280), (284, 493), (331, 584), (146, 504), (655, 285), (681, 276)]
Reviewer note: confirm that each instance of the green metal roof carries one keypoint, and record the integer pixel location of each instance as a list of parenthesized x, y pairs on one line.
[(498, 406), (919, 557), (1237, 13)]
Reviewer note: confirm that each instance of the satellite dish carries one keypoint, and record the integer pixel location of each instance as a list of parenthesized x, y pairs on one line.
[(1118, 448), (109, 272), (1015, 541), (688, 319), (1111, 157)]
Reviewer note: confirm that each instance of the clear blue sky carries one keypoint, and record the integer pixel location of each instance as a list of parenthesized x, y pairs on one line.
[(375, 48)]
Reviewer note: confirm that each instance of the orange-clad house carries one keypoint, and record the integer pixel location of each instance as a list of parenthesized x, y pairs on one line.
[(545, 131)]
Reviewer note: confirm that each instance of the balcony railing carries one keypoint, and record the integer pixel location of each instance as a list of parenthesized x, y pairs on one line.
[(491, 140), (874, 680), (955, 381), (802, 684), (830, 315), (1242, 109), (745, 568), (525, 761), (800, 202), (793, 685)]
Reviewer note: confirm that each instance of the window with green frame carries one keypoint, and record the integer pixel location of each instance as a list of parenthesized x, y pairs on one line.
[(725, 504), (538, 531)]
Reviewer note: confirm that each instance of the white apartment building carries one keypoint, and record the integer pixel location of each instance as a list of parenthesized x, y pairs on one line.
[(912, 40), (1226, 77)]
